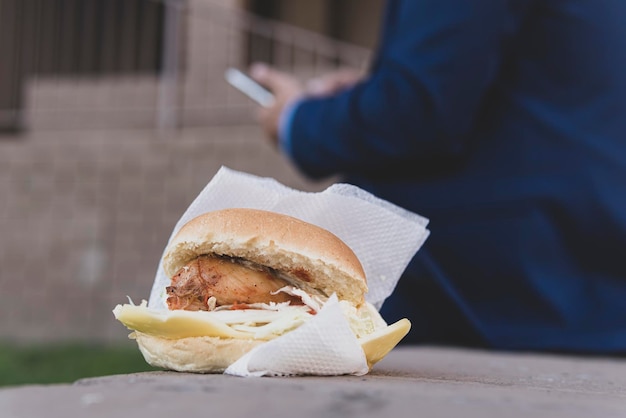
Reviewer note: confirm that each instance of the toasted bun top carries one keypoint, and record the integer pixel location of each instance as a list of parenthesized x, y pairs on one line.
[(310, 257)]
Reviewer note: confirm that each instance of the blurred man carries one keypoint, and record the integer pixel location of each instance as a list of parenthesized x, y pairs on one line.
[(504, 122)]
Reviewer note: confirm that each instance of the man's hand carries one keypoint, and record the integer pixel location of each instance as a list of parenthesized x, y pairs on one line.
[(334, 82), (285, 88)]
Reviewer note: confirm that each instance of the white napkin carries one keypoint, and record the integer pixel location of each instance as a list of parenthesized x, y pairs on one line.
[(383, 236), (309, 349)]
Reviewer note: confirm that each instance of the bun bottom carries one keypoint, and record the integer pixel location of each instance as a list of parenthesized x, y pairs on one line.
[(193, 354)]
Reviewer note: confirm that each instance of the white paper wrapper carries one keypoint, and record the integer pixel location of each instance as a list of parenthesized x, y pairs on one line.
[(383, 236)]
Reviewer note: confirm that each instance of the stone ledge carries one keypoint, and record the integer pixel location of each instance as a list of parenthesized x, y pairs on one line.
[(422, 382)]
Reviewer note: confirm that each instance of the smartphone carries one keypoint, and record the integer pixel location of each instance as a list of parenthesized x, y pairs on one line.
[(249, 87)]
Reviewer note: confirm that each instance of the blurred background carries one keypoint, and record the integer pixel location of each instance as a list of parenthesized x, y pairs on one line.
[(114, 114)]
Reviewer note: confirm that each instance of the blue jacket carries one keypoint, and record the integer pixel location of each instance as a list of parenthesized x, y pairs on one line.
[(504, 122)]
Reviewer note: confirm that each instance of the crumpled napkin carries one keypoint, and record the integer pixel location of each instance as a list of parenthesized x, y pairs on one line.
[(383, 236), (309, 349)]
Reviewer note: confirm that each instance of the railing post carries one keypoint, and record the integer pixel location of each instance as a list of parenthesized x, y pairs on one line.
[(169, 106)]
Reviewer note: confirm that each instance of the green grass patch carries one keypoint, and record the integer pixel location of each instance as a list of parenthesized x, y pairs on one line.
[(65, 363)]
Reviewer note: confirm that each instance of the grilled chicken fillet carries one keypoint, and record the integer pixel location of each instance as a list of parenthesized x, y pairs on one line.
[(229, 280)]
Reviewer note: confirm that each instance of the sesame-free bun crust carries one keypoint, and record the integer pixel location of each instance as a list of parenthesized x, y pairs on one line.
[(312, 257), (193, 354)]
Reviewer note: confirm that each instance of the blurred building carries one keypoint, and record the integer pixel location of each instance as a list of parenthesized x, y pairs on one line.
[(113, 115), (104, 61)]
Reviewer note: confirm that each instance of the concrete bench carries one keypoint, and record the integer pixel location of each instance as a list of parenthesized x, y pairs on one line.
[(416, 382)]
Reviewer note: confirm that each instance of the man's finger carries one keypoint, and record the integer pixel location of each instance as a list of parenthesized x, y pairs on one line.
[(264, 74), (269, 77), (259, 71)]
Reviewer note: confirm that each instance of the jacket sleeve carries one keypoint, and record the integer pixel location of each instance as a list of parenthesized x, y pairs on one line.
[(438, 61)]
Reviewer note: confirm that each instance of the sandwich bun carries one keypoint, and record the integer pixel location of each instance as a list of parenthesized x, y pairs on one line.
[(311, 257), (193, 354)]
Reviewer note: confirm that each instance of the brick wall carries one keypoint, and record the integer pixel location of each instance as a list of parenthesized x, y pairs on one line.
[(85, 216)]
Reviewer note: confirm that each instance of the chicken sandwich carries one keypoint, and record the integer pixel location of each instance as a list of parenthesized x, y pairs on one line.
[(242, 277)]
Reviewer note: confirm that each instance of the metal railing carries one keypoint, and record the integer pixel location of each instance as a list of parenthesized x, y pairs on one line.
[(143, 63)]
